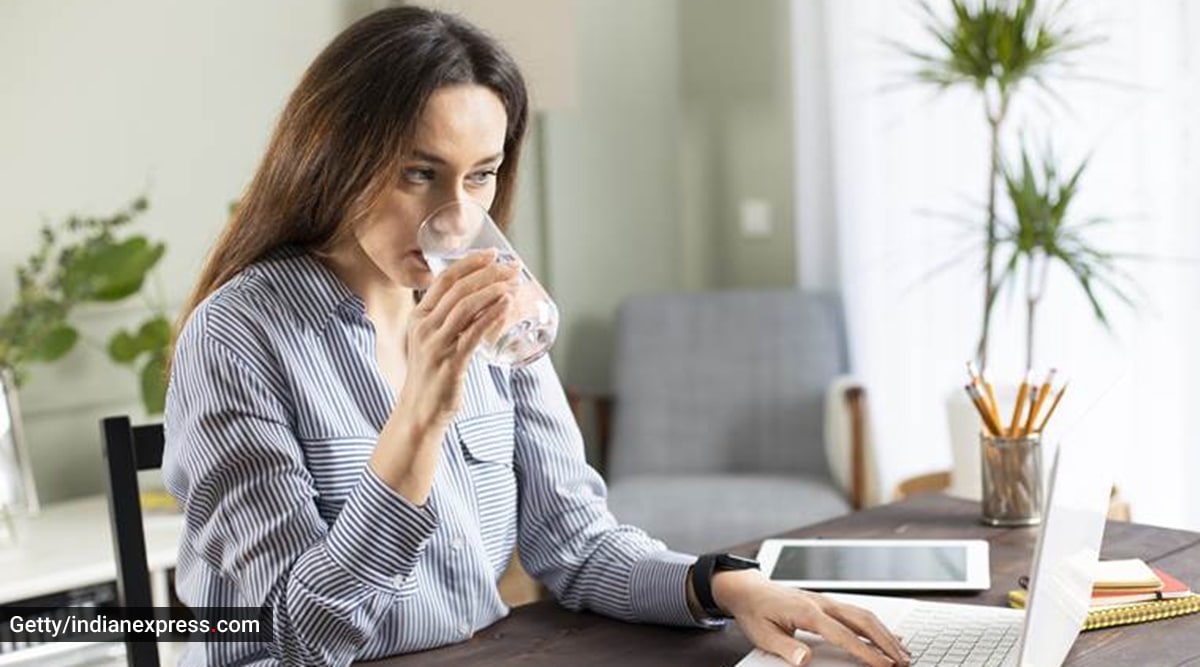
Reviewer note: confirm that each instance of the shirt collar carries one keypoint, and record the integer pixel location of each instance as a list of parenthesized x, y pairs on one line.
[(313, 289)]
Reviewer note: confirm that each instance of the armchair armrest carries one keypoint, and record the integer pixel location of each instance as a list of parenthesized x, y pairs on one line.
[(848, 442), (600, 405)]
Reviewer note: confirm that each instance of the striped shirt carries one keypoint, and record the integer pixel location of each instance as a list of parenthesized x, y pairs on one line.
[(274, 406)]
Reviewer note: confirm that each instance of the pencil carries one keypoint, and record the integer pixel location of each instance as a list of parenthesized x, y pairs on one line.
[(973, 373), (1042, 394), (991, 394), (1022, 394), (982, 385), (992, 426), (1035, 398), (1057, 398)]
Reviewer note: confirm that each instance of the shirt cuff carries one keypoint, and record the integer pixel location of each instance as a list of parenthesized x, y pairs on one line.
[(379, 534), (660, 582)]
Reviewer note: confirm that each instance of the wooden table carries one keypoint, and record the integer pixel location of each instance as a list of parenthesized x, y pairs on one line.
[(545, 634)]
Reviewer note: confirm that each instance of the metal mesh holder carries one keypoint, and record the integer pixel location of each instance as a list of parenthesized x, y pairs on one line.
[(1012, 480)]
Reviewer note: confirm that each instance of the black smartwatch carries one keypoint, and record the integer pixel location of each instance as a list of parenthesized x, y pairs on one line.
[(702, 573)]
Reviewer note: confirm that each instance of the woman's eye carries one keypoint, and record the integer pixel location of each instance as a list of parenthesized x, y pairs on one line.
[(418, 175), (482, 177)]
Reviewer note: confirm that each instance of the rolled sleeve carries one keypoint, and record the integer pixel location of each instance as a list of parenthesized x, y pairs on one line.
[(568, 538), (380, 534), (660, 579)]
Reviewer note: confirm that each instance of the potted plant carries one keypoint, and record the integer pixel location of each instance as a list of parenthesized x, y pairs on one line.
[(82, 260), (1000, 50), (1043, 232), (996, 48)]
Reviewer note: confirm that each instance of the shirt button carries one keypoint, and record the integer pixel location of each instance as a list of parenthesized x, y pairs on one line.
[(397, 581), (464, 630), (457, 544)]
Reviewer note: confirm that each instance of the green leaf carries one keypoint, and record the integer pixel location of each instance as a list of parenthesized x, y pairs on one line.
[(153, 336), (54, 344), (1002, 42), (154, 384), (104, 270), (123, 348), (155, 333), (1041, 203)]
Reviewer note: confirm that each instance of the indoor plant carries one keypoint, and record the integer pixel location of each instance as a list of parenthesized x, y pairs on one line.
[(996, 47), (1000, 49), (1043, 231), (87, 260)]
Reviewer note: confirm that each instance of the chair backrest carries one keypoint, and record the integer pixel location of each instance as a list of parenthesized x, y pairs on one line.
[(127, 450), (725, 382)]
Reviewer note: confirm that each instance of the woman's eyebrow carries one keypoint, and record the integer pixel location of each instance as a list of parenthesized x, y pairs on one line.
[(436, 159)]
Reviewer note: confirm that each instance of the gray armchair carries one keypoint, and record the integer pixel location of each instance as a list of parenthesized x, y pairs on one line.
[(718, 416)]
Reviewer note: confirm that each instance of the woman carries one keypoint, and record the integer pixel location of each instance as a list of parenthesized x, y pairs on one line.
[(341, 455)]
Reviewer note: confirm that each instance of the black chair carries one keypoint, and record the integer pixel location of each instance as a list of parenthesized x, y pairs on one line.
[(127, 450)]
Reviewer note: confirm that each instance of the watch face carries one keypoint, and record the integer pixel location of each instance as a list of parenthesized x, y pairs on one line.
[(734, 562)]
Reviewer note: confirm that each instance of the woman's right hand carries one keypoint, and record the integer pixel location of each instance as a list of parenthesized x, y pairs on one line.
[(467, 302)]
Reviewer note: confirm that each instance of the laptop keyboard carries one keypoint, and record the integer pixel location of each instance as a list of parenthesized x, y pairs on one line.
[(938, 636)]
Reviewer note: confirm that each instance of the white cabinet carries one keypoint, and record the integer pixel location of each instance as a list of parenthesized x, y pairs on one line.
[(67, 547)]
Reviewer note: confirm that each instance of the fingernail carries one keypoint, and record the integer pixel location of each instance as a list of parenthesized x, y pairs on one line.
[(799, 655)]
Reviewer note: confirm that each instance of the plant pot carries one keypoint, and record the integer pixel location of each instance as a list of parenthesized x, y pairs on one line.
[(18, 494), (965, 425)]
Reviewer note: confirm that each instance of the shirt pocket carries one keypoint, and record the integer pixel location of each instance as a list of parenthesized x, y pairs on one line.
[(488, 443), (488, 438)]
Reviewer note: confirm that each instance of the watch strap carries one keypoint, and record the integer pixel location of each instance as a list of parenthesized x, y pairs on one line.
[(702, 575)]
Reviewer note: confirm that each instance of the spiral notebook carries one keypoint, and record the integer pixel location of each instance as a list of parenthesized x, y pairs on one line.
[(1139, 612)]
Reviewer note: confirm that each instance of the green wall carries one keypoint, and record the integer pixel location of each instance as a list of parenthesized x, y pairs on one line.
[(684, 111), (737, 143)]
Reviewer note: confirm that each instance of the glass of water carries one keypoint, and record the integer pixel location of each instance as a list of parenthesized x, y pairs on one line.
[(459, 228)]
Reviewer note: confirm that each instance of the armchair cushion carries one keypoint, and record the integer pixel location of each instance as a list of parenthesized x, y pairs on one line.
[(728, 382), (699, 513)]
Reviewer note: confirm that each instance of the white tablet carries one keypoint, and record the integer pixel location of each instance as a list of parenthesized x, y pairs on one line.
[(877, 565)]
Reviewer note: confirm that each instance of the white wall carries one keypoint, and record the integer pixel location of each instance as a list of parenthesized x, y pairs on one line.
[(102, 101)]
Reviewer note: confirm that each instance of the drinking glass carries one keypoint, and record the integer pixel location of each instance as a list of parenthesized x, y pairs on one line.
[(459, 228)]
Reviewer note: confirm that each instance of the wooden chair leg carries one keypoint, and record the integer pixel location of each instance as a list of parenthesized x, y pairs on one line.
[(858, 454)]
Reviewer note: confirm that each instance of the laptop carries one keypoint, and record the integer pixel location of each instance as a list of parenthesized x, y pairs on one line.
[(939, 633)]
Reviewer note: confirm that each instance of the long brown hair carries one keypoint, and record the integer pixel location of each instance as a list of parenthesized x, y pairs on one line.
[(337, 146)]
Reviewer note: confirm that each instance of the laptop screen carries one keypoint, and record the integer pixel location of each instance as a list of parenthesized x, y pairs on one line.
[(1067, 549)]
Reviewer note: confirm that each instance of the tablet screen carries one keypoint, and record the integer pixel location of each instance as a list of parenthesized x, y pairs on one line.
[(940, 563)]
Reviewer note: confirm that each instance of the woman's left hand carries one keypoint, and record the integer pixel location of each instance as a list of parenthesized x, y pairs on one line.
[(769, 614)]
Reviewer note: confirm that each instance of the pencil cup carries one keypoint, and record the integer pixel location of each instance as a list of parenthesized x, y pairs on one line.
[(1012, 479)]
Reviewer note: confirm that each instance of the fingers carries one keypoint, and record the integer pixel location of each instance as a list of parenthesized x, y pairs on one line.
[(783, 644), (466, 310), (464, 287), (469, 264), (490, 321), (836, 633), (868, 625)]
